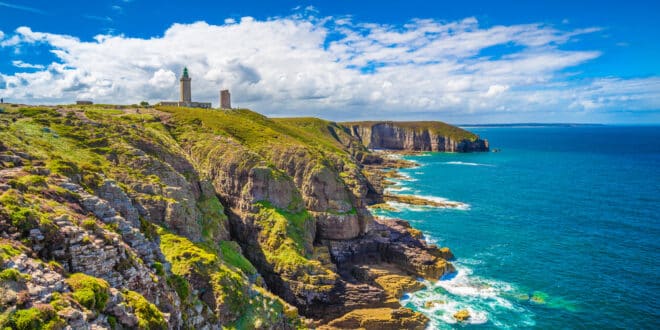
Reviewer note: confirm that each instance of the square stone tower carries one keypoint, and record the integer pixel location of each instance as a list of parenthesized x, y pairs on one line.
[(186, 96), (225, 99)]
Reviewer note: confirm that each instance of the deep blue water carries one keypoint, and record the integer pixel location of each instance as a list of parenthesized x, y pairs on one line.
[(561, 229)]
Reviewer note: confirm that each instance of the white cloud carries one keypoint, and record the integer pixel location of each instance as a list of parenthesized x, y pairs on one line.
[(163, 79), (335, 68), (23, 65), (495, 90)]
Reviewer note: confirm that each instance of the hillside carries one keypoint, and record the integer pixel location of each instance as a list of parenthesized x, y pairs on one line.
[(189, 218)]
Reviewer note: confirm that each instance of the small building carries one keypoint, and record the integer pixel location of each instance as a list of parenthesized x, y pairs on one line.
[(225, 99), (84, 102), (186, 94)]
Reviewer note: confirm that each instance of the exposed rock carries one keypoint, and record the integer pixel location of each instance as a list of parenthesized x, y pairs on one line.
[(462, 315), (416, 136), (380, 319), (415, 200)]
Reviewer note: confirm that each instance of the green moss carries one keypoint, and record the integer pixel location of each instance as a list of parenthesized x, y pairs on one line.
[(148, 315), (89, 291)]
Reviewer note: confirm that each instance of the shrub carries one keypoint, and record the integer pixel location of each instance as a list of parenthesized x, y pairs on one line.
[(112, 321), (89, 291), (180, 285), (24, 219), (158, 267)]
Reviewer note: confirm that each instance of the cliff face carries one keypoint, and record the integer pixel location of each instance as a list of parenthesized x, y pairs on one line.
[(182, 218), (416, 136)]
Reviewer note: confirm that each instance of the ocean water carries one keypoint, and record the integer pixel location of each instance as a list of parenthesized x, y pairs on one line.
[(559, 230)]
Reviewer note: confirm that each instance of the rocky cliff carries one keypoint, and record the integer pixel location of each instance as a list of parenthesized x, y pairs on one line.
[(190, 218), (415, 136)]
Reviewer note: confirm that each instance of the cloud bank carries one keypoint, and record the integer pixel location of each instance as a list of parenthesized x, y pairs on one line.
[(336, 68)]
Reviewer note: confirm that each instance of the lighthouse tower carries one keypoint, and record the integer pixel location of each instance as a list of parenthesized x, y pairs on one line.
[(186, 96)]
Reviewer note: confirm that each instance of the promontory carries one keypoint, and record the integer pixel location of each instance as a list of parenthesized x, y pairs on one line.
[(121, 217)]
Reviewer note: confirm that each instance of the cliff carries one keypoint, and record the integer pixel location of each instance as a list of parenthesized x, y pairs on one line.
[(192, 218), (415, 136)]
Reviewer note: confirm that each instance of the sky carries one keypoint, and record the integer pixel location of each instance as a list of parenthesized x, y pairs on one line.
[(455, 61)]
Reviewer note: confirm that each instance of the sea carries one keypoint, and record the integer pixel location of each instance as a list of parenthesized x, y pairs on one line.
[(560, 229)]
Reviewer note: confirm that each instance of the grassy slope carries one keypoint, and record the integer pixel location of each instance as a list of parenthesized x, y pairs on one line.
[(72, 147)]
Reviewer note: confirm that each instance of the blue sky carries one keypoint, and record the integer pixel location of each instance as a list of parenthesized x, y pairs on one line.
[(471, 62)]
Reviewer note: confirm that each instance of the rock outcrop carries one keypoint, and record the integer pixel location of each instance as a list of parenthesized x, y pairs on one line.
[(416, 136)]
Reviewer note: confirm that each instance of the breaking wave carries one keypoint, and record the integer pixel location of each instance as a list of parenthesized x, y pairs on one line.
[(485, 300)]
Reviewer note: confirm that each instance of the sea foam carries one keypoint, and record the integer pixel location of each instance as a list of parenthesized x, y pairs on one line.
[(484, 299), (467, 164)]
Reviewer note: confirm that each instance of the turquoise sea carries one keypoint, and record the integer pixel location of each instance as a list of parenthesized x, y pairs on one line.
[(559, 230)]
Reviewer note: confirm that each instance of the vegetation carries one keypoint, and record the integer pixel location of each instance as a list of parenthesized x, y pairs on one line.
[(148, 315), (231, 253), (89, 291), (39, 317)]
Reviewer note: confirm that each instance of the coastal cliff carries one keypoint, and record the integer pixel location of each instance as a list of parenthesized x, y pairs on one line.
[(415, 136), (188, 218)]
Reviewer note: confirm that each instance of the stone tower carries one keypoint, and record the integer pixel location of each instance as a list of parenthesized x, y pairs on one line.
[(225, 99), (186, 96)]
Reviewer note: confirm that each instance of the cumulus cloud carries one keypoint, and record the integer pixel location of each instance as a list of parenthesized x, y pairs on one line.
[(335, 68)]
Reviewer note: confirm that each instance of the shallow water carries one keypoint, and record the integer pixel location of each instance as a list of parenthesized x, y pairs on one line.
[(561, 229)]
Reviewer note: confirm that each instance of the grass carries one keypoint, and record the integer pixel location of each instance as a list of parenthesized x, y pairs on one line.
[(231, 253)]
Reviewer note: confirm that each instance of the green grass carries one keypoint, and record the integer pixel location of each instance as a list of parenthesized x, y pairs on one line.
[(7, 251), (232, 255)]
